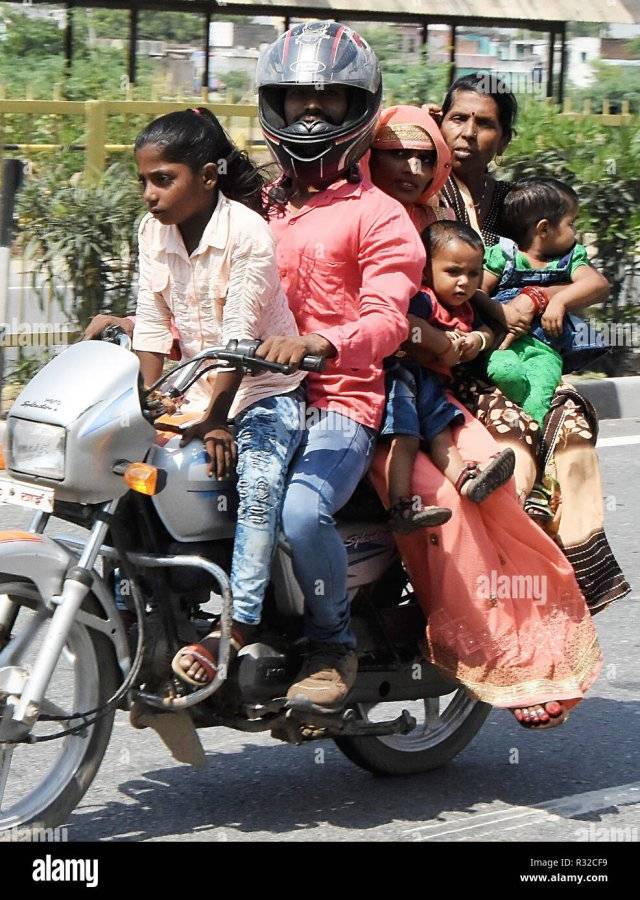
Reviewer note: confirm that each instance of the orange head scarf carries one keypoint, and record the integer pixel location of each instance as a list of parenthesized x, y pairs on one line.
[(412, 128)]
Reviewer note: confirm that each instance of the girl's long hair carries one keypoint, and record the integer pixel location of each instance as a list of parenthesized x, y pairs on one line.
[(195, 137)]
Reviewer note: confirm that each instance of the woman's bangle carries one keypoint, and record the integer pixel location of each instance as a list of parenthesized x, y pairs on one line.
[(483, 338), (539, 296)]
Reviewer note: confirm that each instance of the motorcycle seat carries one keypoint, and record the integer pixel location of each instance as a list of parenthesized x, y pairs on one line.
[(364, 505)]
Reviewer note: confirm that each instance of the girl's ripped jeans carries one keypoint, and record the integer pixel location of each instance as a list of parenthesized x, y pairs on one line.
[(268, 433)]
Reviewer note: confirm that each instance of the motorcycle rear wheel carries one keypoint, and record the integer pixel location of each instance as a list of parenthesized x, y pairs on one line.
[(445, 726), (86, 676)]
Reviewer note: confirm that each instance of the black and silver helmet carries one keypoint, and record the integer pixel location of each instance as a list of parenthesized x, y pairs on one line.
[(319, 54)]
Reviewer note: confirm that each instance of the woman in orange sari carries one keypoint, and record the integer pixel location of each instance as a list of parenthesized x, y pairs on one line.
[(505, 615)]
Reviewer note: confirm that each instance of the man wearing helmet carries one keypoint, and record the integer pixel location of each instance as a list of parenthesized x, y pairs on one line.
[(350, 260)]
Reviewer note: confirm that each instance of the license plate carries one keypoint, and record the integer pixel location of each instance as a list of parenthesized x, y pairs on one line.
[(30, 496)]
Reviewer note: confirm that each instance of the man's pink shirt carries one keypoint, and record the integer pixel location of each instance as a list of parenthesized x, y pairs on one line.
[(349, 261)]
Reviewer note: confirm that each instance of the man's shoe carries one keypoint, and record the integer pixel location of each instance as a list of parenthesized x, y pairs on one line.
[(327, 676)]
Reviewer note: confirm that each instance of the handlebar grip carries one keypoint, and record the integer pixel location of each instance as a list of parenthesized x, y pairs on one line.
[(313, 363), (114, 334)]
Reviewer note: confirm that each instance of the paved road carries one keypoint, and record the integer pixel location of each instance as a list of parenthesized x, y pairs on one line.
[(579, 783)]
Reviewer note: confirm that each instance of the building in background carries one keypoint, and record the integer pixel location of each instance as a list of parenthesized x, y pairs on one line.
[(521, 59)]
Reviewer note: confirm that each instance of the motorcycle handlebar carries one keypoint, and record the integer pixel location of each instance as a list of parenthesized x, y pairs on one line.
[(240, 355), (243, 353), (256, 364), (113, 334)]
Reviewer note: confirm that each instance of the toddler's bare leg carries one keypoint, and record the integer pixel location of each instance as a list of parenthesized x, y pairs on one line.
[(406, 511), (400, 462), (479, 484), (446, 455)]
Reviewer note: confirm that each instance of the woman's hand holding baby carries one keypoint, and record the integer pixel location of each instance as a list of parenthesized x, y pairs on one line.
[(453, 354), (471, 345), (518, 316)]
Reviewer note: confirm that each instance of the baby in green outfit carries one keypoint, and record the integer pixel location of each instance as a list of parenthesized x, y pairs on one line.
[(538, 216)]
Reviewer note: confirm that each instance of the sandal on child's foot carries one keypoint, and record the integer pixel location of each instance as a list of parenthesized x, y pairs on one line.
[(404, 518), (537, 505), (476, 482), (197, 664)]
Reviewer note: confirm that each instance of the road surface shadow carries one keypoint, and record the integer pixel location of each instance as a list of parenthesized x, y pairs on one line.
[(276, 789)]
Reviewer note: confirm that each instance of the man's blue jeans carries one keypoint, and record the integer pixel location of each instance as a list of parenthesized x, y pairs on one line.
[(268, 433), (333, 457)]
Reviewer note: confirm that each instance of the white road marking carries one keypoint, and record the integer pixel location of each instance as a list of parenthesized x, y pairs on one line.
[(561, 809), (618, 441)]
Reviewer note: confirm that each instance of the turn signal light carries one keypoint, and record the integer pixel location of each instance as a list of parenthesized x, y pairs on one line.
[(3, 465), (141, 477)]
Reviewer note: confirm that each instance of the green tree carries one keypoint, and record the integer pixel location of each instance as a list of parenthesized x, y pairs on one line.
[(586, 29), (634, 47), (27, 36), (613, 83), (237, 83), (406, 78)]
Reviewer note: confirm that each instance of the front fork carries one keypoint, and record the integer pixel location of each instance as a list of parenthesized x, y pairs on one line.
[(8, 609), (22, 712)]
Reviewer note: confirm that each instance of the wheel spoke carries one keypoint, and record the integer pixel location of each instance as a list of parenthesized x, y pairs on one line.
[(33, 777), (431, 712), (16, 647), (5, 765), (50, 708)]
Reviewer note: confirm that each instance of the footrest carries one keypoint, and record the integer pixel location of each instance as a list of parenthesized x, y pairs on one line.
[(347, 722), (355, 727)]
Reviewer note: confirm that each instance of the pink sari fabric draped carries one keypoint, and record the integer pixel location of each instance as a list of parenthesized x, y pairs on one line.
[(505, 615)]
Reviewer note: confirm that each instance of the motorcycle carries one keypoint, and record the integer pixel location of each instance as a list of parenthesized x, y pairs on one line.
[(89, 626)]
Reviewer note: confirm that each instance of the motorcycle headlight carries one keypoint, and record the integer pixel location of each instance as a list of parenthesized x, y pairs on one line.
[(36, 448)]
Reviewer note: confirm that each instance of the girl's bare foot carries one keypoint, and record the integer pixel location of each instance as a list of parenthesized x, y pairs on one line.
[(197, 664)]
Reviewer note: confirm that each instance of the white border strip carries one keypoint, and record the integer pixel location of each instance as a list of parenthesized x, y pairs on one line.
[(553, 811), (624, 441)]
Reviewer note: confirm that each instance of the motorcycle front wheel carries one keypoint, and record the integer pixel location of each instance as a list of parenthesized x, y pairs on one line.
[(41, 783), (444, 727)]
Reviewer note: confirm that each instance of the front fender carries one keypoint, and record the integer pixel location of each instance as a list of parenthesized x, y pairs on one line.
[(43, 561), (36, 557)]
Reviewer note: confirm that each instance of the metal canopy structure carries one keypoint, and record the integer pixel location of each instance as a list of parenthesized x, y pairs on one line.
[(533, 15)]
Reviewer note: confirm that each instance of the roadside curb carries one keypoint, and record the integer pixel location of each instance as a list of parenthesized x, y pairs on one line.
[(613, 398)]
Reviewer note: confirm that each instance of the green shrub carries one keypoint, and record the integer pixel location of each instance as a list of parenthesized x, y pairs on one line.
[(82, 238)]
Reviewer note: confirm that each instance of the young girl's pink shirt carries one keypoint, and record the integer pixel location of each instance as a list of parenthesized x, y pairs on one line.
[(350, 261), (228, 288)]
